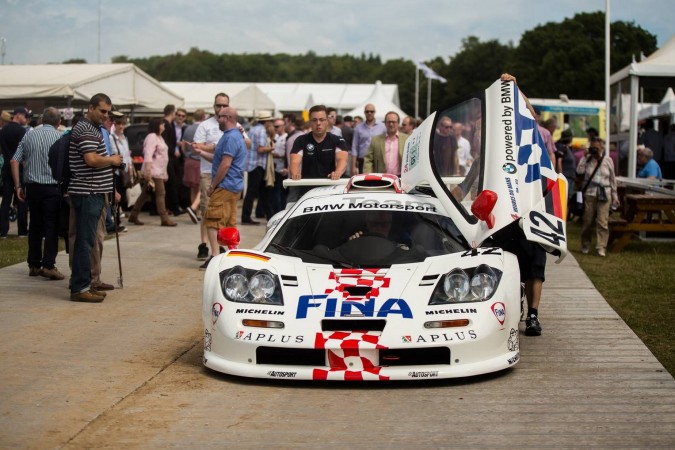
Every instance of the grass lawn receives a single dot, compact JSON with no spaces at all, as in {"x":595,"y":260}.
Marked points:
{"x":639,"y":283}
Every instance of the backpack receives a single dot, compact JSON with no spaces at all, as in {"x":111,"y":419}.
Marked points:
{"x":59,"y":161}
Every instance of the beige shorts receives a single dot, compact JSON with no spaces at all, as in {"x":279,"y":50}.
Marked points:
{"x":221,"y":211}
{"x":204,"y":183}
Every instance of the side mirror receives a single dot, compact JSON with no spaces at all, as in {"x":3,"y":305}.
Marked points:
{"x":483,"y":205}
{"x":229,"y":237}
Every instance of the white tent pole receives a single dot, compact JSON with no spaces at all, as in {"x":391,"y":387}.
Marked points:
{"x":417,"y":91}
{"x":633,"y":128}
{"x":607,"y":60}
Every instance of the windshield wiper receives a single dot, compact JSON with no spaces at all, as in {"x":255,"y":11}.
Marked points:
{"x":284,"y":250}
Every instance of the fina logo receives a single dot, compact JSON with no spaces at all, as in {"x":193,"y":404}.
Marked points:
{"x":509,"y":168}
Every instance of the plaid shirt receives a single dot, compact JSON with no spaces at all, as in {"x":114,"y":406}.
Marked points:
{"x":258,"y":139}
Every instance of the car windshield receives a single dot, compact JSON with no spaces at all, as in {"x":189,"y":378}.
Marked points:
{"x":367,"y":238}
{"x":456,"y":146}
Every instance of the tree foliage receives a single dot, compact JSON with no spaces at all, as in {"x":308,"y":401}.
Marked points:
{"x":551,"y":59}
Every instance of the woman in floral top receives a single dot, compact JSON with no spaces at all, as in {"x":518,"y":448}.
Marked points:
{"x":599,"y":195}
{"x":155,"y":161}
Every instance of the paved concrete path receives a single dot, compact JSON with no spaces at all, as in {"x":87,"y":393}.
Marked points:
{"x":127,"y":373}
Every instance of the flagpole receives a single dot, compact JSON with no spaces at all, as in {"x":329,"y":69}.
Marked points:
{"x":607,"y":70}
{"x":417,"y":91}
{"x":428,"y":97}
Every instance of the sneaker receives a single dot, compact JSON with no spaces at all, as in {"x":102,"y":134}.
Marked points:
{"x":34,"y":271}
{"x":202,"y":252}
{"x":193,"y":215}
{"x":89,"y":296}
{"x":206,"y":264}
{"x":584,"y":250}
{"x":602,"y":252}
{"x":52,"y":274}
{"x":532,"y":326}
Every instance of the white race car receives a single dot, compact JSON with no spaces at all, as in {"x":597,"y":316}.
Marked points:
{"x":387,"y":278}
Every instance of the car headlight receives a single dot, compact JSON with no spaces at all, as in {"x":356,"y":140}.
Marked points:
{"x":483,"y":282}
{"x":251,"y":286}
{"x":466,"y":285}
{"x":456,"y":285}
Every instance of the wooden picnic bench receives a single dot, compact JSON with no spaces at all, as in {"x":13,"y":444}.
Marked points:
{"x":642,"y":212}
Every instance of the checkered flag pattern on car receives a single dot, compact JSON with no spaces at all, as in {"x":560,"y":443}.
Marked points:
{"x":351,"y":356}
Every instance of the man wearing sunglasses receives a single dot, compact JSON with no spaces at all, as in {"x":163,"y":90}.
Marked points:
{"x":363,"y":133}
{"x":91,"y":180}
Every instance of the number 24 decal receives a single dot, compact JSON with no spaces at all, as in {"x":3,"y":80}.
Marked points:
{"x":552,"y":233}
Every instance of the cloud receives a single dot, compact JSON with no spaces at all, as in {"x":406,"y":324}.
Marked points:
{"x":42,"y":31}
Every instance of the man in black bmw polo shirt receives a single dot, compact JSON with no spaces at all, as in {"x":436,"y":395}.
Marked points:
{"x":318,"y":154}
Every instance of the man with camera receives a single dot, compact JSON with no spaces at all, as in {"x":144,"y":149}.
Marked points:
{"x":599,"y":182}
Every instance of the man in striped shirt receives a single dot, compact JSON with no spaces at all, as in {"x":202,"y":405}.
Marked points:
{"x":91,"y":180}
{"x":42,"y":194}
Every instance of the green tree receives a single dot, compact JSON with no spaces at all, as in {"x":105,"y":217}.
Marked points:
{"x":476,"y":66}
{"x":569,"y":57}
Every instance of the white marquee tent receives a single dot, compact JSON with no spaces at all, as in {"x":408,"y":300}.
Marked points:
{"x":383,"y":104}
{"x":656,"y":72}
{"x":294,"y":97}
{"x":63,"y":85}
{"x":248,"y":98}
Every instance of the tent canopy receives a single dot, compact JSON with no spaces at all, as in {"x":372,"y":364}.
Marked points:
{"x":655,"y":72}
{"x":246,"y":97}
{"x":293,"y":97}
{"x":381,"y":101}
{"x":74,"y":84}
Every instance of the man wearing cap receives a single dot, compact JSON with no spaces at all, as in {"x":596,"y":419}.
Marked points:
{"x":10,"y":136}
{"x":256,"y":165}
{"x":42,"y":193}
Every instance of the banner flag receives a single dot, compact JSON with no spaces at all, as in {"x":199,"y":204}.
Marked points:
{"x":429,"y":73}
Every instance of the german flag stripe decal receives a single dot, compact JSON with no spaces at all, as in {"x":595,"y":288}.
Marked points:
{"x":248,"y":255}
{"x":556,"y":199}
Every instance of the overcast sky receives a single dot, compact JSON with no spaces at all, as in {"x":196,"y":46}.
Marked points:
{"x":44,"y":31}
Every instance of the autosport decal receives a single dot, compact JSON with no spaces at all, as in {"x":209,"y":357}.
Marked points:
{"x":423,"y":374}
{"x":280,"y":374}
{"x":333,"y":307}
{"x":370,"y":203}
{"x":268,"y":337}
{"x":248,"y":255}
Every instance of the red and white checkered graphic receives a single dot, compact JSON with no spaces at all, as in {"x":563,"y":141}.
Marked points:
{"x":350,"y":356}
{"x":358,"y":277}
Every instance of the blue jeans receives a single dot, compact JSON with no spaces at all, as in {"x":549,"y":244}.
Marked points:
{"x":88,"y":210}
